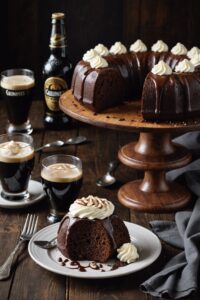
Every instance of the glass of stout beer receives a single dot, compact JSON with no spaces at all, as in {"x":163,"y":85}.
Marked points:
{"x":16,"y":165}
{"x":17,"y":89}
{"x":62,"y":179}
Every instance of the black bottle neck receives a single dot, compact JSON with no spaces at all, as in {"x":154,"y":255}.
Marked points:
{"x":59,"y":52}
{"x":57,"y":44}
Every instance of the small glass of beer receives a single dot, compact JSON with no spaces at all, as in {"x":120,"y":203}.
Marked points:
{"x":62,"y":179}
{"x":16,"y":165}
{"x":17,"y":89}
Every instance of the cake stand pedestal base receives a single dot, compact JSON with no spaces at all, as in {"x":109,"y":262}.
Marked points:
{"x":154,"y":153}
{"x":131,"y":195}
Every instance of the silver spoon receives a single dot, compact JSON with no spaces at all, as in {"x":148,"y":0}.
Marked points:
{"x":46,"y":244}
{"x":72,"y":141}
{"x":108,"y":178}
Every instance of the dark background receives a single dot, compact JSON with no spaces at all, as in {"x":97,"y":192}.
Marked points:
{"x":25,"y":27}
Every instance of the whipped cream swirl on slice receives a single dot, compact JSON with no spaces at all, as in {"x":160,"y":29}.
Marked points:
{"x":98,"y":62}
{"x":195,"y":60}
{"x":89,"y":55}
{"x":184,"y":66}
{"x":138,"y":46}
{"x":127,"y":253}
{"x":159,"y":46}
{"x":179,"y":49}
{"x":193,"y":51}
{"x":101,"y":50}
{"x":91,"y":207}
{"x":161,"y":69}
{"x":118,"y":48}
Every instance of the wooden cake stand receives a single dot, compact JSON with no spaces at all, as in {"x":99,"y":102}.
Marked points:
{"x":154,"y":153}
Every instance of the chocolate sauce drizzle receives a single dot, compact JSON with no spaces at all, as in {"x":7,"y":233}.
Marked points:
{"x":159,"y":88}
{"x":76,"y":265}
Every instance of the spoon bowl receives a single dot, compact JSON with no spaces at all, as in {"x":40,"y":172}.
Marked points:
{"x":108,"y":179}
{"x":58,"y":143}
{"x":46,"y":244}
{"x":71,"y":141}
{"x":76,"y":140}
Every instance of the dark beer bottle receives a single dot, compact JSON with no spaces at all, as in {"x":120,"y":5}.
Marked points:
{"x":57,"y":73}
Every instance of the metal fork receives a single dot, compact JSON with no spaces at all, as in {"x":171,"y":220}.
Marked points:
{"x":30,"y":227}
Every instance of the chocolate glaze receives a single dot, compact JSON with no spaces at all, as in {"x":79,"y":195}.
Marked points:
{"x":121,"y":64}
{"x":77,"y":69}
{"x":182,"y":91}
{"x":109,"y":227}
{"x":79,"y":76}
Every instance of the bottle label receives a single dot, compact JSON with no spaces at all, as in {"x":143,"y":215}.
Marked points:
{"x":57,"y":41}
{"x":54,"y":87}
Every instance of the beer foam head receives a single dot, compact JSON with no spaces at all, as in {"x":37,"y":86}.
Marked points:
{"x":61,"y":172}
{"x":13,"y":151}
{"x":17,"y":82}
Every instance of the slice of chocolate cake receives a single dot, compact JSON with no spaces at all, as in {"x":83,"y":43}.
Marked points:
{"x":90,"y":231}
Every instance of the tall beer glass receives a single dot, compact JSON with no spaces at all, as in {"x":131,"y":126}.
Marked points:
{"x":17,"y":88}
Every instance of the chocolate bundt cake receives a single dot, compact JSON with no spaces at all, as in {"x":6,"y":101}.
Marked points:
{"x":107,"y":78}
{"x":90,"y":231}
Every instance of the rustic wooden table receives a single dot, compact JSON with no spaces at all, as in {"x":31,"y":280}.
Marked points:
{"x":31,"y":282}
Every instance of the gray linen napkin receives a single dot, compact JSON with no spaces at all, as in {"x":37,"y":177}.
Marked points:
{"x":181,"y":275}
{"x":191,"y":141}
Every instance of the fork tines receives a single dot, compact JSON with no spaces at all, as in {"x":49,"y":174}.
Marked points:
{"x":30,"y":225}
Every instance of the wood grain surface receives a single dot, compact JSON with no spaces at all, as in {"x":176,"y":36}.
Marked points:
{"x":126,"y":117}
{"x":31,"y":282}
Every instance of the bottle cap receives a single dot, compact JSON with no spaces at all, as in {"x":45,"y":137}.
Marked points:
{"x":58,"y":16}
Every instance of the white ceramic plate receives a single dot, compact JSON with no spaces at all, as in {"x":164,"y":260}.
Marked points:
{"x":147,"y":243}
{"x":36,"y":192}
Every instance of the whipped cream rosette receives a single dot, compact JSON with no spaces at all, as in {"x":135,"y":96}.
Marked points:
{"x":127,"y":253}
{"x":118,"y":48}
{"x":184,"y":66}
{"x":98,"y":62}
{"x":193,"y":51}
{"x":89,"y":55}
{"x":138,"y":46}
{"x":179,"y":49}
{"x":159,"y":46}
{"x":101,"y":50}
{"x":91,"y":207}
{"x":196,"y":60}
{"x":161,"y":69}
